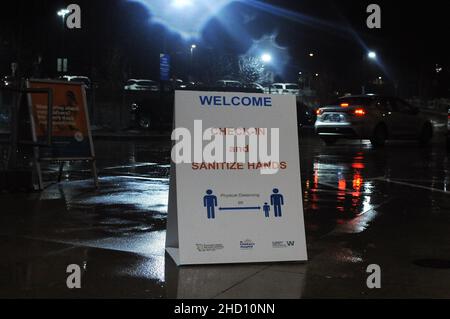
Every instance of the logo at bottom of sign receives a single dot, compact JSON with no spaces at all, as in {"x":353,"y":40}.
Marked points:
{"x":283,"y":244}
{"x":209,"y":247}
{"x":247,"y":244}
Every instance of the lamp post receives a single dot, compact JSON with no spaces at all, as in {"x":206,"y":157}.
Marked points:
{"x":371,"y":56}
{"x":193,"y":47}
{"x":63,"y":13}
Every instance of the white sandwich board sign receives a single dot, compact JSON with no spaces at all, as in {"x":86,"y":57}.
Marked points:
{"x":241,"y":202}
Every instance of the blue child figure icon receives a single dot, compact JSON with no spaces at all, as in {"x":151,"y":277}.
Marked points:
{"x":266,"y":209}
{"x":277,"y":201}
{"x":210,"y":202}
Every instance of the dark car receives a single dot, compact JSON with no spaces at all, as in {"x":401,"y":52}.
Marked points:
{"x":6,"y":104}
{"x":152,"y":113}
{"x":305,"y":115}
{"x":7,"y":81}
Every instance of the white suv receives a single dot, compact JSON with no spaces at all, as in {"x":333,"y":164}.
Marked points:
{"x":373,"y":117}
{"x":284,"y":88}
{"x":141,"y":85}
{"x":229,"y":83}
{"x":78,"y":79}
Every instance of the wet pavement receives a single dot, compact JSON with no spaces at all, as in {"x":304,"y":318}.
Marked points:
{"x":362,"y":206}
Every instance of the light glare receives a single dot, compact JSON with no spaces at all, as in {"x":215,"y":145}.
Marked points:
{"x":63,"y":12}
{"x":185,"y":17}
{"x":266,"y":58}
{"x":181,"y":3}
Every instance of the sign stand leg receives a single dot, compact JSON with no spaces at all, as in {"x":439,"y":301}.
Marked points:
{"x":172,"y":241}
{"x":37,"y":172}
{"x":61,"y":168}
{"x":94,"y":173}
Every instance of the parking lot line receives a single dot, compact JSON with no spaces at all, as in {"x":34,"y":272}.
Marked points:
{"x":412,"y":185}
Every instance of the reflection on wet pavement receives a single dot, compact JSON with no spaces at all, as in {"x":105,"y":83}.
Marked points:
{"x":362,"y":206}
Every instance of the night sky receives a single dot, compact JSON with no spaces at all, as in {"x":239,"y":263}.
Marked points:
{"x":412,"y":39}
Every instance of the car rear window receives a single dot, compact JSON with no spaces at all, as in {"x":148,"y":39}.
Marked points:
{"x":233,"y":84}
{"x":146,"y":83}
{"x":84,"y":80}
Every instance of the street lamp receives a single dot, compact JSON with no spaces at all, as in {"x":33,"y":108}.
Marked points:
{"x":372,"y":55}
{"x":266,"y":58}
{"x":311,"y":54}
{"x":181,"y":3}
{"x":62,"y":13}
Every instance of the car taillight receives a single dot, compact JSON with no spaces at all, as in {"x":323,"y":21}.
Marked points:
{"x":319,"y":111}
{"x":359,"y":112}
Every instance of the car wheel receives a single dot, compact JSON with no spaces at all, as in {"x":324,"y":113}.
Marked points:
{"x":329,"y":140}
{"x":379,"y":136}
{"x":144,"y":122}
{"x":426,"y":134}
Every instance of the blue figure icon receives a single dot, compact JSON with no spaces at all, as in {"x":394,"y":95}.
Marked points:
{"x":266,"y":209}
{"x":210,"y":202}
{"x":277,"y":201}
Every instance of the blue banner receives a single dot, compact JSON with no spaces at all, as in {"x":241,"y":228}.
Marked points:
{"x":164,"y":67}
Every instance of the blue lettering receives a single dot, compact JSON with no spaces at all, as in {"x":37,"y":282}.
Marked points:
{"x":235,"y":101}
{"x":268,"y":101}
{"x":258,"y":101}
{"x":246,"y":101}
{"x":206,"y":100}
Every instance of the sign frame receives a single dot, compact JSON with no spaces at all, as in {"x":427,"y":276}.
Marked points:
{"x":37,"y":159}
{"x":180,"y":245}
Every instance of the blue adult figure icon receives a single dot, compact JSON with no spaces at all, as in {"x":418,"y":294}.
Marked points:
{"x":266,"y":209}
{"x":210,"y":202}
{"x":276,"y":200}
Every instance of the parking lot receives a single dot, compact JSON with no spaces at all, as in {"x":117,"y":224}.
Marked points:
{"x":362,"y":206}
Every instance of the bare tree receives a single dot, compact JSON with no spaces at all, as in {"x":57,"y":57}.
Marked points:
{"x":220,"y":66}
{"x":252,"y":69}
